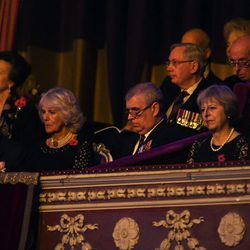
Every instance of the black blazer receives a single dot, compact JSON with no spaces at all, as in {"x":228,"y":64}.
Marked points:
{"x":190,"y":104}
{"x":159,"y":136}
{"x":176,"y":130}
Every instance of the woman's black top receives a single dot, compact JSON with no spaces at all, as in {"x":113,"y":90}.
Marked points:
{"x":78,"y":153}
{"x":20,"y":121}
{"x":235,"y":150}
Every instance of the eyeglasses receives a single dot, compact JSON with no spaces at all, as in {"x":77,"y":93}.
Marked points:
{"x":242,"y":63}
{"x":136,"y":112}
{"x":176,"y":62}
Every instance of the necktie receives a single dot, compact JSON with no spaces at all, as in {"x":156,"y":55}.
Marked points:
{"x":140,"y":146}
{"x":178,"y":102}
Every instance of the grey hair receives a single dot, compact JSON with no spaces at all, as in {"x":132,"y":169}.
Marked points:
{"x":192,"y":52}
{"x":67,"y":104}
{"x":151,"y":92}
{"x":237,"y":24}
{"x":225,"y":96}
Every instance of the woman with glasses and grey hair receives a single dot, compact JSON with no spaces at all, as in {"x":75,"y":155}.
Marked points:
{"x":219,"y":110}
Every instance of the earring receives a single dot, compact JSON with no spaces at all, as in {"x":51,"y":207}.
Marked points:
{"x":9,"y":88}
{"x":228,"y":117}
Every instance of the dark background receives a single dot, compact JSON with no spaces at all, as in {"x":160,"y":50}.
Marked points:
{"x":135,"y":32}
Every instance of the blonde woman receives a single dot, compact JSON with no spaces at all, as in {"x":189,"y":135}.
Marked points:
{"x":65,"y":147}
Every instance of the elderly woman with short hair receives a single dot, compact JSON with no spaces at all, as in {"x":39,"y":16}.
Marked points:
{"x":65,"y":147}
{"x":219,"y":110}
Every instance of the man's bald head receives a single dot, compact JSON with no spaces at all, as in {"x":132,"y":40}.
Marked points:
{"x":199,"y":37}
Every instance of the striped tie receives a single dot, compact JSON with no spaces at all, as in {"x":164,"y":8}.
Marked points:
{"x":178,"y":102}
{"x":141,"y":143}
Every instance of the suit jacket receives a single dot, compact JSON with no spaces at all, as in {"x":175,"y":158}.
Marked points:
{"x":212,"y":78}
{"x":176,"y":130}
{"x":160,"y":135}
{"x":170,"y":90}
{"x":190,"y":104}
{"x":231,"y":81}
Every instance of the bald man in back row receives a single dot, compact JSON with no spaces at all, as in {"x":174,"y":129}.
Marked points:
{"x":200,"y":37}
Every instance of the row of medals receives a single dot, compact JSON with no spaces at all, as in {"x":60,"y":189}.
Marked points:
{"x":189,"y":119}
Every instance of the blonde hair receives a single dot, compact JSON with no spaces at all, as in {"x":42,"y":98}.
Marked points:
{"x":237,"y":24}
{"x":67,"y":104}
{"x":225,"y":96}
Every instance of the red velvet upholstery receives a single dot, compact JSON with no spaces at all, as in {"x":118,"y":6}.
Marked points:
{"x":175,"y":152}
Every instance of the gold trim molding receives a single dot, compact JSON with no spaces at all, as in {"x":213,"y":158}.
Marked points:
{"x":72,"y":227}
{"x":149,"y":192}
{"x":179,"y":225}
{"x":231,"y":229}
{"x":126,"y":233}
{"x":19,"y":177}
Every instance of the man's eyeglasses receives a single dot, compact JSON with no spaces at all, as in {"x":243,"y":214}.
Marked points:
{"x":176,"y":62}
{"x":136,"y":112}
{"x":242,"y":63}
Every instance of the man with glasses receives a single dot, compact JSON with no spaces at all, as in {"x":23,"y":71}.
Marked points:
{"x":239,"y":59}
{"x":185,"y":67}
{"x":200,"y":38}
{"x":144,"y":106}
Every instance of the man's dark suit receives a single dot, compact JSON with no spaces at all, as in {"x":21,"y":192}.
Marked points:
{"x":159,"y":136}
{"x":231,"y":81}
{"x":170,"y":90}
{"x":167,"y":132}
{"x":177,"y":130}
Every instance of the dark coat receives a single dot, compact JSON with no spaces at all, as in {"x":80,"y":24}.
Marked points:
{"x":12,"y":153}
{"x":177,"y":130}
{"x":159,"y":136}
{"x":170,"y":90}
{"x":231,"y":81}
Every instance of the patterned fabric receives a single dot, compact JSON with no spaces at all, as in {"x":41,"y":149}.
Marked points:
{"x":177,"y":104}
{"x":237,"y":149}
{"x":71,"y":156}
{"x":9,"y":114}
{"x":140,"y":145}
{"x":20,"y":121}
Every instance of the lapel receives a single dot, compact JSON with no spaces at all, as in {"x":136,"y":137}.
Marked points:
{"x":158,"y":135}
{"x":191,"y":104}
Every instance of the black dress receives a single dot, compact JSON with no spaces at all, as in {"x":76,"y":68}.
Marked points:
{"x":235,"y":150}
{"x":78,"y":153}
{"x":12,"y":154}
{"x":20,"y":121}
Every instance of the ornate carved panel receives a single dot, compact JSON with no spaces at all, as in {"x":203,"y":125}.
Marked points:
{"x":163,"y":208}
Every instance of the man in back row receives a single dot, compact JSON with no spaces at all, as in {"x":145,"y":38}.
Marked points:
{"x":239,"y":58}
{"x":146,"y":106}
{"x":199,"y":37}
{"x":185,"y":66}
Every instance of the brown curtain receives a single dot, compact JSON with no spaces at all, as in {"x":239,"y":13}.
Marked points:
{"x":100,"y":48}
{"x":8,"y":19}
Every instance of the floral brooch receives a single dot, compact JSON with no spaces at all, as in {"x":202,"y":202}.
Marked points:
{"x":20,"y":103}
{"x":73,"y":142}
